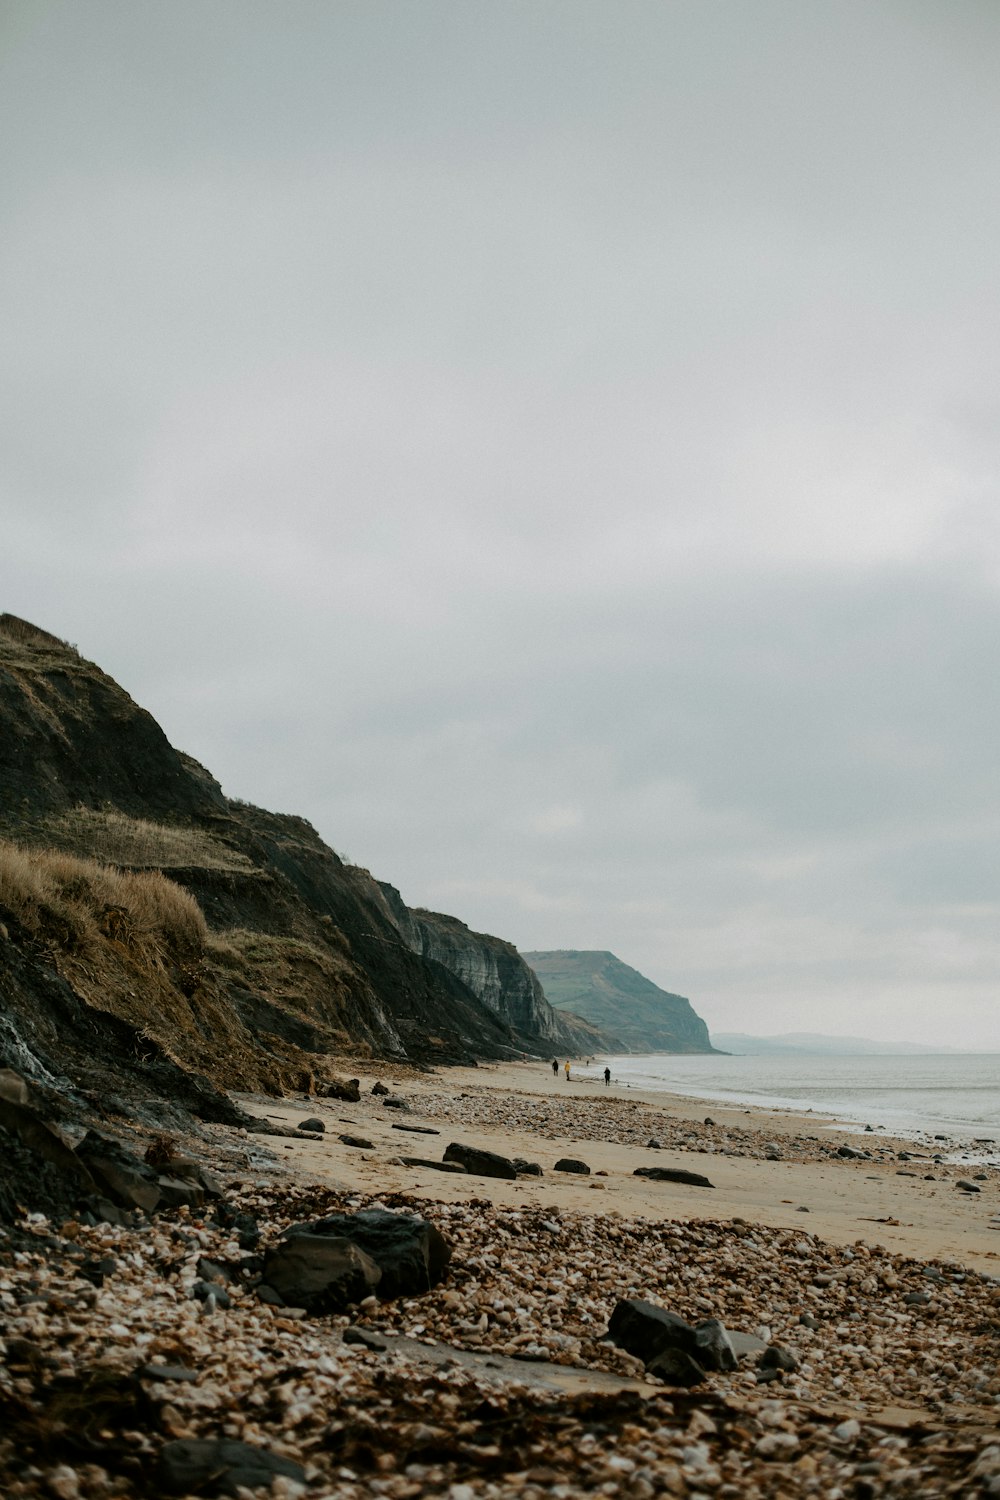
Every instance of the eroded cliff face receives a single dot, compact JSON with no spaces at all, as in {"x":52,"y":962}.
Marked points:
{"x":495,"y":973}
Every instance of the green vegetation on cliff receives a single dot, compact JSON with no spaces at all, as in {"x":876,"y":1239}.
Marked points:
{"x":621,"y":1001}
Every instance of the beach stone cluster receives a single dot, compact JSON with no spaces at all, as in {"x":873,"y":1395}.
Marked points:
{"x":823,"y":1371}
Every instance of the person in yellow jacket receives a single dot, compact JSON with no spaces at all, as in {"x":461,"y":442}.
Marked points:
{"x":566,"y":1066}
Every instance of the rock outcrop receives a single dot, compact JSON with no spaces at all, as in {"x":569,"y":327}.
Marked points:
{"x":495,"y":972}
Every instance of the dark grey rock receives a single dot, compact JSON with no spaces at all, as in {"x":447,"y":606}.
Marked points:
{"x":653,"y":1144}
{"x":347,"y":1089}
{"x":676,"y":1368}
{"x":320,"y":1272}
{"x":410,"y":1252}
{"x":849,"y":1153}
{"x":356,"y":1140}
{"x":967,"y":1186}
{"x":416,"y":1129}
{"x":527,"y":1168}
{"x":645,"y":1330}
{"x":220,"y":1466}
{"x":917,"y":1299}
{"x":673,"y":1174}
{"x":202,"y":1290}
{"x":179,"y":1192}
{"x":570,"y":1164}
{"x":213,"y":1270}
{"x":393,"y":1101}
{"x":126,"y":1180}
{"x":379,"y":1088}
{"x":715,"y":1348}
{"x":482,"y":1163}
{"x":313,"y":1124}
{"x":777,"y":1357}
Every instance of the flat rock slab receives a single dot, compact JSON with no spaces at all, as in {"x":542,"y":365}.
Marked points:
{"x":436,"y":1166}
{"x":502,"y":1368}
{"x":356,"y":1140}
{"x":417,"y":1129}
{"x":673,"y":1174}
{"x":188,"y":1465}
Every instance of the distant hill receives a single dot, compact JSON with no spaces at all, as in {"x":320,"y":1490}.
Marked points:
{"x":814,"y":1043}
{"x":622,"y":1002}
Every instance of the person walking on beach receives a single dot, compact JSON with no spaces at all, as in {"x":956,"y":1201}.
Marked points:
{"x":607,"y":1077}
{"x":555,"y":1068}
{"x":566,"y":1066}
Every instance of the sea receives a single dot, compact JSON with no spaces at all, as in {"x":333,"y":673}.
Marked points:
{"x":951,"y":1101}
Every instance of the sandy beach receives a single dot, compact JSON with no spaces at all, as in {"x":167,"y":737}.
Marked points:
{"x":862,"y":1308}
{"x":521,"y":1110}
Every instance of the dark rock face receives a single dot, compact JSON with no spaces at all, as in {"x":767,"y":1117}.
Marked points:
{"x":220,"y":1466}
{"x":494,"y":971}
{"x":320,"y":1272}
{"x":410,"y":1253}
{"x":482,"y":1163}
{"x":314,"y":1126}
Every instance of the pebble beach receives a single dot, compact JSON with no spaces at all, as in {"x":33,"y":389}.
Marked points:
{"x":857,"y":1276}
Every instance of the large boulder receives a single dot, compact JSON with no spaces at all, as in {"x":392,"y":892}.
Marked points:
{"x":322,"y":1273}
{"x":411,"y":1254}
{"x":645,"y":1330}
{"x":482,"y":1163}
{"x":649,"y":1332}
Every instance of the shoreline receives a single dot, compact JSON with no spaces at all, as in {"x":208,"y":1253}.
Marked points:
{"x":963,"y":1139}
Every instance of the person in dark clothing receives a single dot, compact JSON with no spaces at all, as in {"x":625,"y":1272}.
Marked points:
{"x":607,"y":1077}
{"x":555,"y":1068}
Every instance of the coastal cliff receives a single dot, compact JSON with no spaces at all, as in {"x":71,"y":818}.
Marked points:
{"x":188,"y":934}
{"x":495,"y":972}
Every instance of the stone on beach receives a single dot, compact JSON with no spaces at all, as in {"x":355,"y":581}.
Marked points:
{"x":673,"y":1174}
{"x":482,"y":1163}
{"x":320,"y":1272}
{"x":410,"y":1253}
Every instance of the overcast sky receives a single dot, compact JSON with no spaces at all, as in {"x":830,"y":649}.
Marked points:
{"x":552,"y":447}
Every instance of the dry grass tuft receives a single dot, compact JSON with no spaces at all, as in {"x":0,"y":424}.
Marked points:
{"x":114,"y":838}
{"x":83,"y":903}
